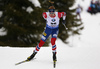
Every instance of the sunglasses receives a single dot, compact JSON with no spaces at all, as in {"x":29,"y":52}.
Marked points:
{"x":51,"y":10}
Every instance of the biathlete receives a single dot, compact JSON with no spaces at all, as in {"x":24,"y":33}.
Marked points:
{"x":52,"y":28}
{"x":78,"y":11}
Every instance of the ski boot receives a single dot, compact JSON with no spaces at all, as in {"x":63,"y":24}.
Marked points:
{"x":32,"y":56}
{"x":54,"y":59}
{"x":54,"y":56}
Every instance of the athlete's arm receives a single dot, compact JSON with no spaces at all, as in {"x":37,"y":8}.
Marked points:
{"x":44,"y":15}
{"x":62,"y":14}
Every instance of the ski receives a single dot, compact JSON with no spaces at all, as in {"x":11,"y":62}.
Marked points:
{"x":54,"y":63}
{"x":23,"y":61}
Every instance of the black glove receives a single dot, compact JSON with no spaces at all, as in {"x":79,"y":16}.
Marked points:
{"x":63,"y":22}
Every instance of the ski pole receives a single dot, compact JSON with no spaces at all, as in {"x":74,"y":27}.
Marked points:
{"x":65,"y":26}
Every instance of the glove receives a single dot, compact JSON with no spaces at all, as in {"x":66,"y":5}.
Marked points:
{"x":63,"y":22}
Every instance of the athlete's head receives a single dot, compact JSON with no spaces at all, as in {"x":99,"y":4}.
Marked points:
{"x":51,"y":9}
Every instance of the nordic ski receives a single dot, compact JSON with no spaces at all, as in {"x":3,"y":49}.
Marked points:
{"x":54,"y":64}
{"x":23,"y":61}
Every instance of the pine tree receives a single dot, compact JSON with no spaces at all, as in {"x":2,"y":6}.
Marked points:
{"x":1,"y":10}
{"x":23,"y":27}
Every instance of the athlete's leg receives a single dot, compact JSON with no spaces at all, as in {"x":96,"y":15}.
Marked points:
{"x":45,"y":35}
{"x":53,"y":48}
{"x":53,"y":39}
{"x":39,"y":46}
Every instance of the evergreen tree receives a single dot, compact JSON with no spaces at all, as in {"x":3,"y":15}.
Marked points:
{"x":1,"y":10}
{"x":25,"y":28}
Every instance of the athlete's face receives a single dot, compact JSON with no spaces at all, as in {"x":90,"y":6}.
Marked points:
{"x":51,"y":12}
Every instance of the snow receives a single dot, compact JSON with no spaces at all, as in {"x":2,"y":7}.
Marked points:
{"x":68,"y":58}
{"x":29,"y":9}
{"x":1,"y":13}
{"x":36,"y":3}
{"x":2,"y":32}
{"x":83,"y":51}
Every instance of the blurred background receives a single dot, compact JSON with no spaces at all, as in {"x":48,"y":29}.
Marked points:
{"x":22,"y":24}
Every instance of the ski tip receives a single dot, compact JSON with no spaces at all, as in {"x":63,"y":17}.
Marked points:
{"x":21,"y":62}
{"x":16,"y":63}
{"x":54,"y":66}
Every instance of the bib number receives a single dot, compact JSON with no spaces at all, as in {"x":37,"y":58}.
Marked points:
{"x":53,"y":24}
